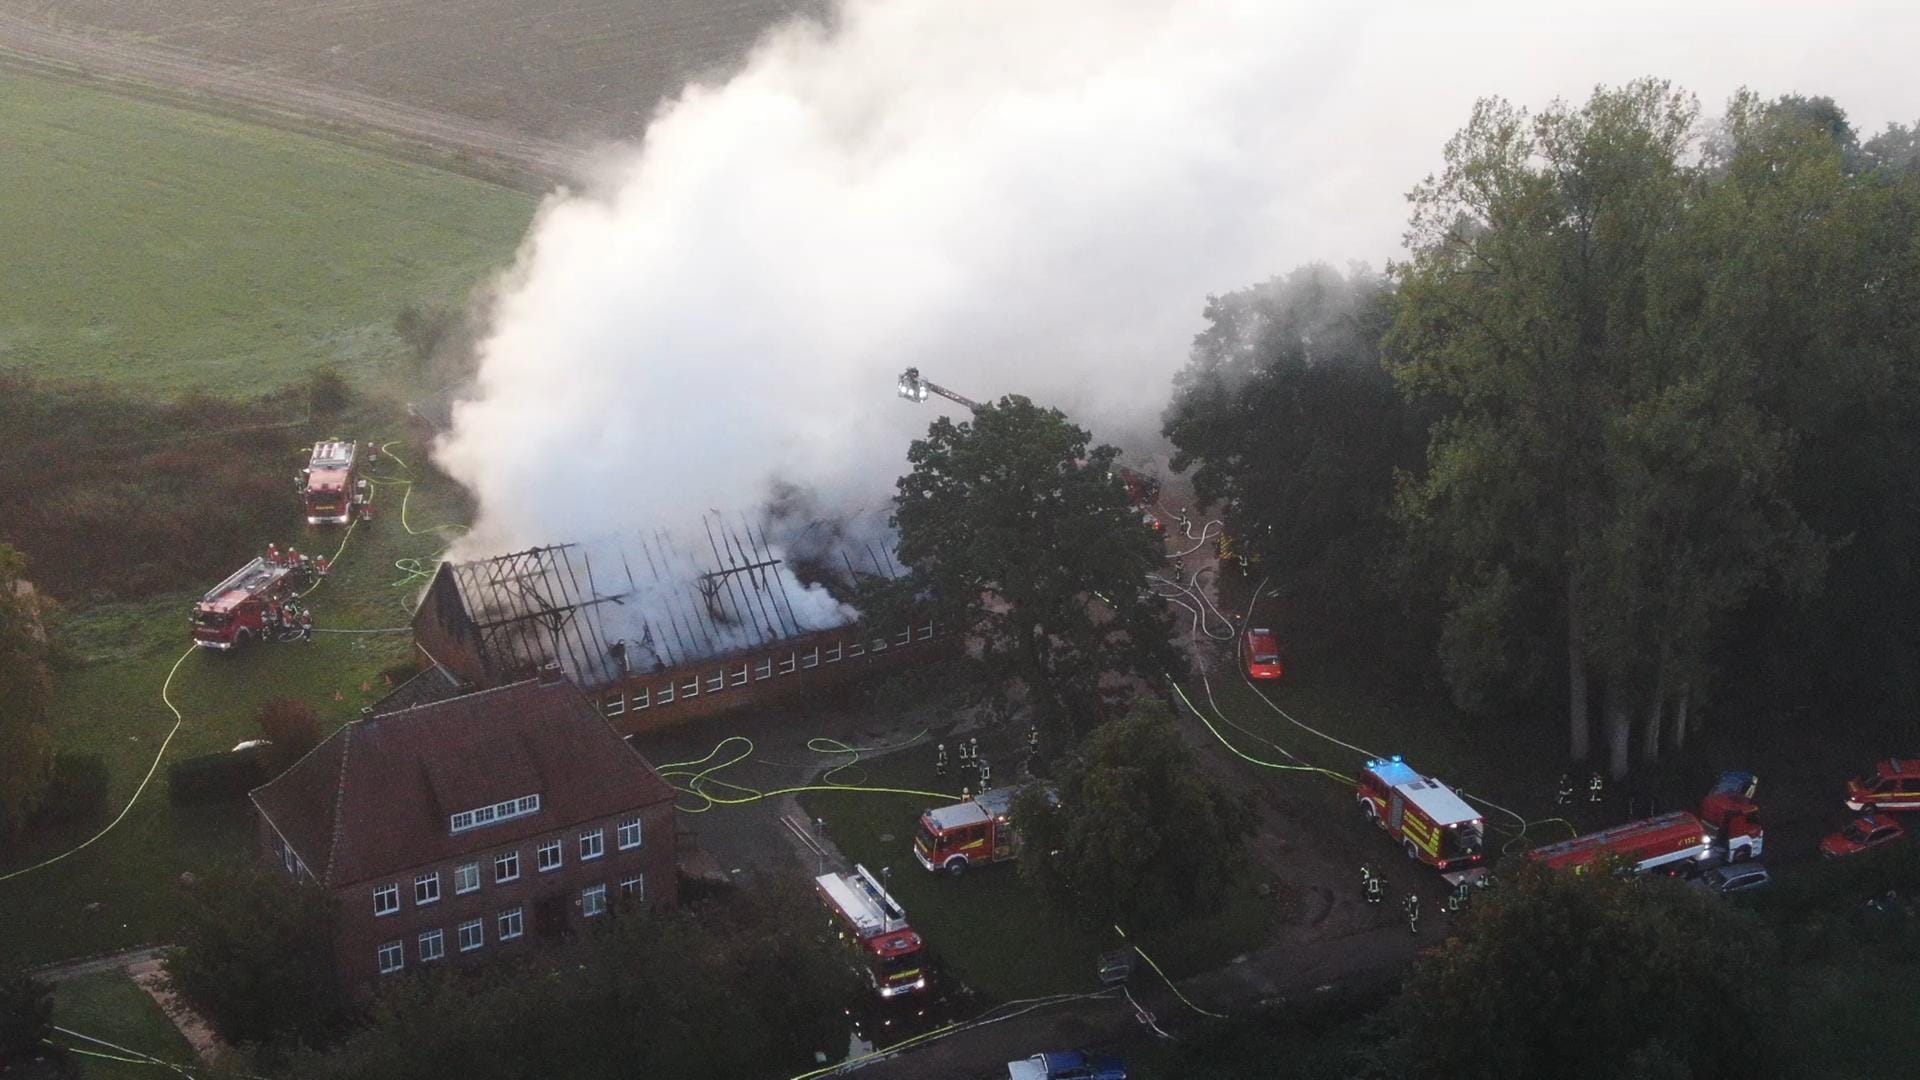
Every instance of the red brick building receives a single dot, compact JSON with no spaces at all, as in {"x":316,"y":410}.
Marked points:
{"x":734,"y":644}
{"x":463,"y":828}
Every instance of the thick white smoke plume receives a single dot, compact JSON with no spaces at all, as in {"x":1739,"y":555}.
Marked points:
{"x":1015,"y":197}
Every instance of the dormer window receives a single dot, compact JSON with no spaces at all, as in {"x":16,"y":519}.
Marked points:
{"x":498,"y":812}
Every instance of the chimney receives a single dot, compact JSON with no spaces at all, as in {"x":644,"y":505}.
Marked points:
{"x":551,"y":673}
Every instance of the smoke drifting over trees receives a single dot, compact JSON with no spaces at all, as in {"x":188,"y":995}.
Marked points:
{"x":1015,"y":198}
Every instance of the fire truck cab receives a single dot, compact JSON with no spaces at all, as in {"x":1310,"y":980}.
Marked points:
{"x":980,"y":830}
{"x":892,"y":957}
{"x":1433,"y":824}
{"x":234,"y":612}
{"x":330,"y":484}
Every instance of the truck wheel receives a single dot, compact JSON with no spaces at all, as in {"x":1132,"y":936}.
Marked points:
{"x":1739,"y":854}
{"x":1366,"y":808}
{"x":1412,"y":852}
{"x":956,"y":866}
{"x":241,"y":639}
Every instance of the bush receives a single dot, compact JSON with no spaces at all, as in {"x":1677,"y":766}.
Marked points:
{"x":212,"y":778}
{"x":78,"y":789}
{"x":291,"y":727}
{"x":26,"y":1015}
{"x":327,"y":391}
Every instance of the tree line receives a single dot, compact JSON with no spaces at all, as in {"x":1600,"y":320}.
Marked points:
{"x":1636,"y":424}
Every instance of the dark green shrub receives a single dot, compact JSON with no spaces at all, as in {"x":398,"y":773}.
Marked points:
{"x":212,"y":778}
{"x":78,"y":789}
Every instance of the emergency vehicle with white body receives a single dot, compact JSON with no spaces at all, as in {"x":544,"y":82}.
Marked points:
{"x":977,"y":831}
{"x":892,"y":957}
{"x":330,"y":485}
{"x":1433,"y":824}
{"x":1727,"y":829}
{"x":234,"y":612}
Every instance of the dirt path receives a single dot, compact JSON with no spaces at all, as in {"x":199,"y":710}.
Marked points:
{"x":93,"y":965}
{"x":148,"y":64}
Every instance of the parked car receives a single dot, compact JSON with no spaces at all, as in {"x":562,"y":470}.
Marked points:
{"x":1260,"y":651}
{"x":1067,"y":1065}
{"x":1734,"y":878}
{"x":1871,"y":831}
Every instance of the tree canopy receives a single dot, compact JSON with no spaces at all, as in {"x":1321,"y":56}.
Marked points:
{"x":737,"y":988}
{"x":1593,"y":975}
{"x":26,"y":691}
{"x":1020,"y":537}
{"x":1138,"y":834}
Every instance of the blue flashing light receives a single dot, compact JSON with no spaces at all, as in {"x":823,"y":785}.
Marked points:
{"x":1396,"y":759}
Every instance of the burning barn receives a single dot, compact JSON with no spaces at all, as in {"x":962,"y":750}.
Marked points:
{"x":656,"y":636}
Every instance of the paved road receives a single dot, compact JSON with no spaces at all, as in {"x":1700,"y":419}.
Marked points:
{"x":93,"y":965}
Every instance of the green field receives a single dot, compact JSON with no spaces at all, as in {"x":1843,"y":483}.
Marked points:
{"x":109,"y":1006}
{"x":165,"y":248}
{"x":111,"y":705}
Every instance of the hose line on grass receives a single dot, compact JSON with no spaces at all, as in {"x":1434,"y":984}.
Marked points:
{"x":698,"y":779}
{"x":165,"y":687}
{"x":1171,"y":985}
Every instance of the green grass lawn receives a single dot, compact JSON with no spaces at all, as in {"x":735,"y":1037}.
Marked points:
{"x":989,"y":927}
{"x":110,"y":1006}
{"x":111,"y":705}
{"x":166,"y":248}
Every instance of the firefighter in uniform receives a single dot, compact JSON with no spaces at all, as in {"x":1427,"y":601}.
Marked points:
{"x":1411,"y":905}
{"x":973,"y":750}
{"x":306,"y":626}
{"x":986,"y":771}
{"x":1376,"y":888}
{"x":273,"y":555}
{"x":1457,"y":899}
{"x":1033,"y":739}
{"x":1565,"y":795}
{"x":940,"y":759}
{"x":1594,"y":788}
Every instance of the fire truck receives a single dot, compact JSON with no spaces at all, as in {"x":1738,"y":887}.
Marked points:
{"x":1434,"y":825}
{"x":1142,"y":489}
{"x":979,"y":830}
{"x":892,"y":957}
{"x":330,"y":485}
{"x":1727,"y":829}
{"x":235,"y":611}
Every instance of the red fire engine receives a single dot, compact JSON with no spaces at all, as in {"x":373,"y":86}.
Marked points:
{"x":1433,"y":824}
{"x":235,"y":611}
{"x":330,"y":484}
{"x":892,"y":956}
{"x":979,"y":830}
{"x":1142,"y":489}
{"x":1727,"y":829}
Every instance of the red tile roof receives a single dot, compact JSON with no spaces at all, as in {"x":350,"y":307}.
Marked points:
{"x":375,"y":797}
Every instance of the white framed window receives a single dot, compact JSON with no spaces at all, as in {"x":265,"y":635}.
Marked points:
{"x":717,"y":681}
{"x":835,"y":654}
{"x":506,"y":810}
{"x":664,"y":696}
{"x":466,"y":878}
{"x":813,"y":658}
{"x":593,"y":900}
{"x":857,"y":649}
{"x":473,"y":934}
{"x":551,"y":857}
{"x":739,"y":677}
{"x":763,"y":669}
{"x":508,"y":925}
{"x":926,"y":632}
{"x":386,"y":898}
{"x":629,"y":835}
{"x":426,"y":889}
{"x":614,"y":705}
{"x":641,"y":699}
{"x":393,"y":957}
{"x":690,"y":688}
{"x":593,"y":844}
{"x":433,"y":945}
{"x":506,"y":867}
{"x":905,"y":638}
{"x":787,"y":665}
{"x":634,"y":888}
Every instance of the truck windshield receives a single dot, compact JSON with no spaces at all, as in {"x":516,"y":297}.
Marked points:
{"x":927,"y":839}
{"x":894,"y":965}
{"x":211,"y":619}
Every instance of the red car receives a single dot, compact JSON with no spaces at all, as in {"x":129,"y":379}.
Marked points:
{"x":1261,"y":652}
{"x":1872,"y":831}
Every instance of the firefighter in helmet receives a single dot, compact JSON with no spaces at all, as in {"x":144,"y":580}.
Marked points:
{"x":1411,"y":905}
{"x":940,"y":759}
{"x":273,"y":555}
{"x":306,"y":626}
{"x":1565,"y":794}
{"x":1376,"y":888}
{"x":1594,"y":787}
